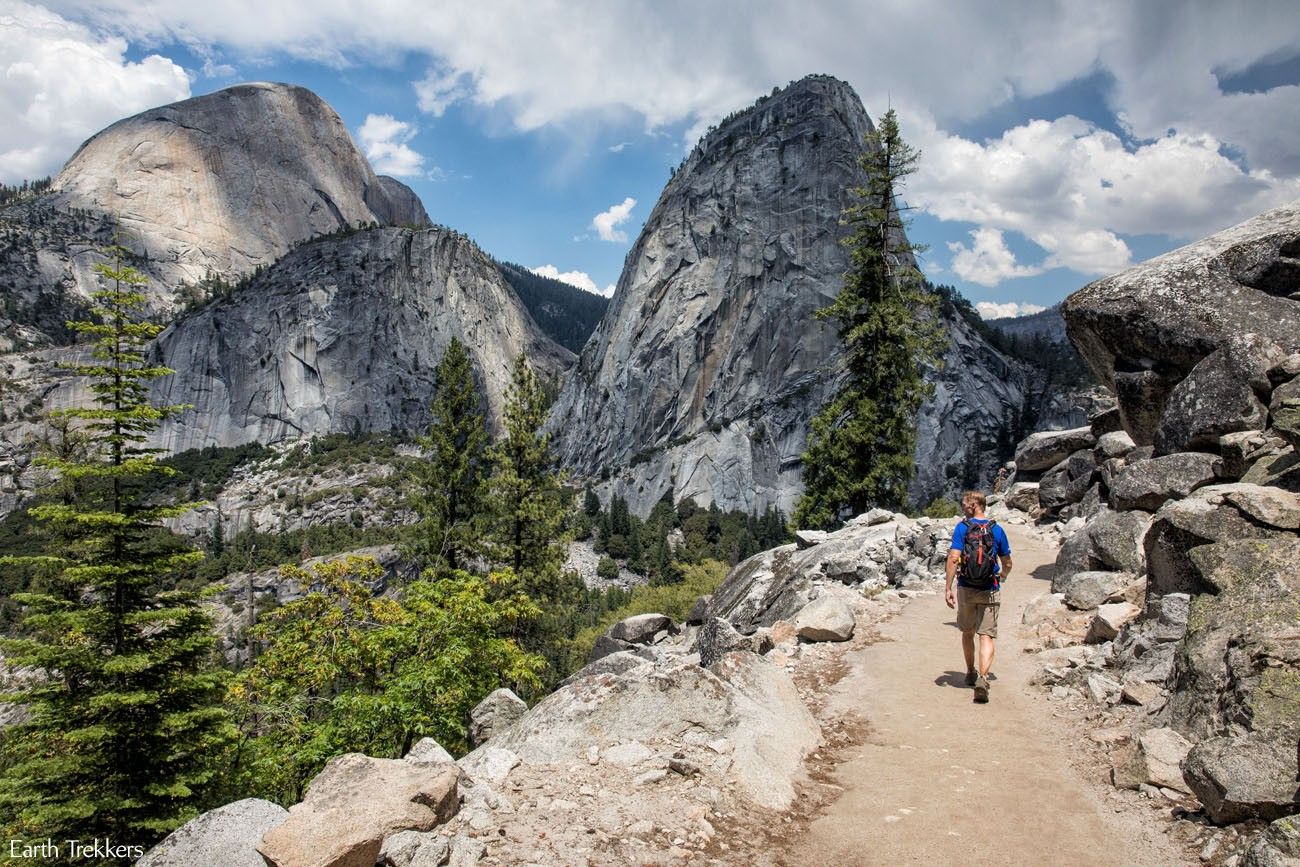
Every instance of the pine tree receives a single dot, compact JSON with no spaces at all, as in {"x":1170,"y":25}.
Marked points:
{"x":525,"y":501}
{"x":127,"y":727}
{"x":860,"y":448}
{"x":450,"y":489}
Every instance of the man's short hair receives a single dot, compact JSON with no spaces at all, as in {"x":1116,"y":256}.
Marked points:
{"x":976,"y":497}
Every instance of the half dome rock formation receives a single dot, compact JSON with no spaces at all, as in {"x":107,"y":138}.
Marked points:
{"x":206,"y":189}
{"x":709,"y":364}
{"x":342,"y":335}
{"x":1186,"y":339}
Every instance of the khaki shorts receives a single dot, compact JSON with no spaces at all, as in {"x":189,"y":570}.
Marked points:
{"x":977,"y":611}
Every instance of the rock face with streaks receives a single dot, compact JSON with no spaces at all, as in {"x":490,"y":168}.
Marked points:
{"x":343,"y":335}
{"x":206,"y":189}
{"x":708,"y":366}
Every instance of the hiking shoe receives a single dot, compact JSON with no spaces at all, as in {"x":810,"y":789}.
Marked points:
{"x":971,"y":677}
{"x":982,"y":690}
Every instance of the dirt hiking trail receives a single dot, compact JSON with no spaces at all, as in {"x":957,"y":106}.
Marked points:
{"x":942,"y":780}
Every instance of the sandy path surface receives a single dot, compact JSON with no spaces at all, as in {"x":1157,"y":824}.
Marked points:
{"x":942,"y":780}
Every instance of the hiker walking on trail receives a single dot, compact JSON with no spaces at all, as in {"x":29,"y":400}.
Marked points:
{"x":980,"y":560}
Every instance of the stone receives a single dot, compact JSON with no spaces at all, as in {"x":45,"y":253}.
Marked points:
{"x":717,"y":638}
{"x":1162,"y":751}
{"x":826,"y":618}
{"x":647,"y":778}
{"x":743,"y":698}
{"x":605,"y":646}
{"x":499,"y":710}
{"x":614,"y":664}
{"x":1275,"y":468}
{"x":1239,"y":450}
{"x":1103,"y":690}
{"x":227,"y":835}
{"x":1239,"y":663}
{"x":1252,"y":776}
{"x":1204,"y":517}
{"x":1117,"y":539}
{"x":1285,"y":421}
{"x":427,"y":750}
{"x":490,"y":763}
{"x":353,"y":804}
{"x":1115,"y":444}
{"x":1277,"y":846}
{"x":465,"y":851}
{"x":640,"y":628}
{"x":808,"y":538}
{"x":628,"y":755}
{"x":1046,"y":449}
{"x":1109,"y":619}
{"x":1272,"y":506}
{"x":414,"y":849}
{"x":763,"y":589}
{"x":1150,"y":484}
{"x":1087,"y":590}
{"x":699,"y":611}
{"x":1068,"y":481}
{"x":658,"y":399}
{"x":1022,"y":496}
{"x":1106,"y":421}
{"x":1216,"y":396}
{"x":1141,"y":693}
{"x":1043,"y":608}
{"x":1144,"y":330}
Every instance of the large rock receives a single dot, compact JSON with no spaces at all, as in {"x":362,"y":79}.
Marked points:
{"x":1278,"y":846}
{"x":227,"y":835}
{"x":353,"y":804}
{"x":641,"y":628}
{"x":1116,"y":539}
{"x":1238,"y":667}
{"x":1068,"y":481}
{"x":1087,"y":590}
{"x":709,"y":364}
{"x":1045,"y":449}
{"x":1022,"y":496}
{"x":1252,"y":776}
{"x":288,"y":355}
{"x":826,"y":618}
{"x":717,"y":638}
{"x":500,"y":709}
{"x":1110,"y":619}
{"x":1216,"y":397}
{"x":1144,"y":330}
{"x":1206,"y":516}
{"x":1149,"y":484}
{"x":743,"y":698}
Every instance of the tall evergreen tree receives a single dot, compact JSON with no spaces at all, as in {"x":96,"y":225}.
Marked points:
{"x":860,"y":448}
{"x":526,"y":503}
{"x":450,"y":490}
{"x":127,"y":726}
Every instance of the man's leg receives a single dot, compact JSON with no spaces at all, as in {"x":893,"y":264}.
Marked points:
{"x":968,"y":648}
{"x":986,"y":655}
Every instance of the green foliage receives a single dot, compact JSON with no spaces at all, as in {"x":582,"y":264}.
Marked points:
{"x":942,"y":508}
{"x":861,"y":445}
{"x":11,"y":193}
{"x":346,"y":671}
{"x":127,"y":728}
{"x":673,"y":600}
{"x":607,"y":569}
{"x":565,"y":313}
{"x":450,"y":481}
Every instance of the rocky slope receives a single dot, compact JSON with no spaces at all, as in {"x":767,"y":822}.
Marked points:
{"x":709,"y":364}
{"x":1182,"y":530}
{"x":206,"y":189}
{"x":343,"y":335}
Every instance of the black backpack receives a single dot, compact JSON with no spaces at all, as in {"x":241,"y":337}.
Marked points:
{"x":978,"y":555}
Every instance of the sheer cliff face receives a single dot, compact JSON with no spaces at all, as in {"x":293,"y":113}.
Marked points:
{"x":343,"y":335}
{"x":709,"y":364}
{"x":211,"y":187}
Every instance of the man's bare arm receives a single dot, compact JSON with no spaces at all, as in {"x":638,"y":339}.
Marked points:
{"x":1006,"y":566}
{"x":949,"y":595}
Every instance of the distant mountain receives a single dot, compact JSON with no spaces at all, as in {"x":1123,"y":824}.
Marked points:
{"x":1048,"y":323}
{"x":202,"y":192}
{"x":708,"y":366}
{"x":565,"y":313}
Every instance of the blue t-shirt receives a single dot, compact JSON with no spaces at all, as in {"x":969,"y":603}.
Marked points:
{"x":1001,"y":547}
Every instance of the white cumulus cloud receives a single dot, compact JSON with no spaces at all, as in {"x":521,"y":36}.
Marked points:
{"x":580,"y":279}
{"x":606,"y":223}
{"x":384,"y":140}
{"x":987,"y":261}
{"x":60,"y":82}
{"x":1006,"y":309}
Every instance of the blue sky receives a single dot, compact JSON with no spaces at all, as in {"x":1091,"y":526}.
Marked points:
{"x":1060,"y":141}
